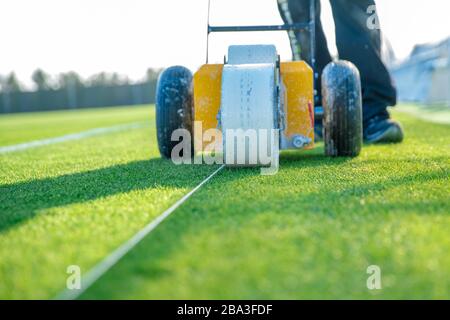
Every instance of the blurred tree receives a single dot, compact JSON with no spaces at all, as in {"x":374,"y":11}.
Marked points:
{"x":71,"y":82}
{"x":11,"y":83}
{"x":70,"y":79}
{"x":105,"y":79}
{"x":152,"y":74}
{"x":41,"y":79}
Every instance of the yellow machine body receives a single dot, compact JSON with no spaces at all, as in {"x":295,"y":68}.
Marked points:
{"x":297,"y":93}
{"x":297,"y":79}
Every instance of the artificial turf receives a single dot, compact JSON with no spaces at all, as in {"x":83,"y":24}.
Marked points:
{"x":310,"y":231}
{"x":73,"y":203}
{"x":23,"y":127}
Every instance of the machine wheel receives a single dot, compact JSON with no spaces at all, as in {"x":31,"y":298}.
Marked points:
{"x":342,"y":104}
{"x":173,"y":106}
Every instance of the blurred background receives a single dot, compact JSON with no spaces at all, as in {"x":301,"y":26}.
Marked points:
{"x":69,"y":54}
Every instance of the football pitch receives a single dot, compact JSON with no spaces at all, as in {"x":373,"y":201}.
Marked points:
{"x":95,"y":179}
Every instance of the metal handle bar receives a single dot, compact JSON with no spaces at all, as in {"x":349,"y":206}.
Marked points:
{"x":306,"y":26}
{"x":283,"y":27}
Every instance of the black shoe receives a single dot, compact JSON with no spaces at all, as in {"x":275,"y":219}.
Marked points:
{"x":381,"y":129}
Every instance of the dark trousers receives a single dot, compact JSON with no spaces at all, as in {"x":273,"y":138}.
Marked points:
{"x":355,"y":41}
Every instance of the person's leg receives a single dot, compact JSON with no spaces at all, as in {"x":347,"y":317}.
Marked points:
{"x":297,"y":11}
{"x":361,"y":45}
{"x":360,"y":42}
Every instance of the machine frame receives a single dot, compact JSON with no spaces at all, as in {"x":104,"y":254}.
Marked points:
{"x":183,"y":99}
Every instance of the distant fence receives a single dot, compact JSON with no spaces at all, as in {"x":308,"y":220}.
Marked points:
{"x":80,"y":97}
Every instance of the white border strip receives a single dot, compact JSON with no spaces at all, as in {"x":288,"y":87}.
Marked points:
{"x":435,"y":116}
{"x":69,"y":137}
{"x":103,"y":266}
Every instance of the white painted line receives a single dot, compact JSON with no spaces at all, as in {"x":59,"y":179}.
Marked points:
{"x":69,"y":137}
{"x":441,"y":116}
{"x":103,"y":266}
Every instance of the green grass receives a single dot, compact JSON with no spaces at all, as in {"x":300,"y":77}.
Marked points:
{"x":74,"y":202}
{"x":23,"y":127}
{"x":310,"y":231}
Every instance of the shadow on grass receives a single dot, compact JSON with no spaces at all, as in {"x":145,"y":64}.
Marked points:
{"x":147,"y":262}
{"x":22,"y":201}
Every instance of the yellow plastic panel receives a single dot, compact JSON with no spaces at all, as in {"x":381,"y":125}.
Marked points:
{"x":297,"y":78}
{"x":207,"y":92}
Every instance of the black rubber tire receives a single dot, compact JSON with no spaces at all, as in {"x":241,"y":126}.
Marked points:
{"x":342,"y":107}
{"x":174,"y":106}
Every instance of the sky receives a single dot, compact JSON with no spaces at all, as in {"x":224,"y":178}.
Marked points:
{"x":128,"y":36}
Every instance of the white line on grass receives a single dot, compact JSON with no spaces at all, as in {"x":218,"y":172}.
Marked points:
{"x":430,"y":114}
{"x":69,"y":137}
{"x":103,"y":266}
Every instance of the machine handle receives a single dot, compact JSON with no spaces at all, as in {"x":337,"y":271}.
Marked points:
{"x":309,"y":26}
{"x":283,"y":27}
